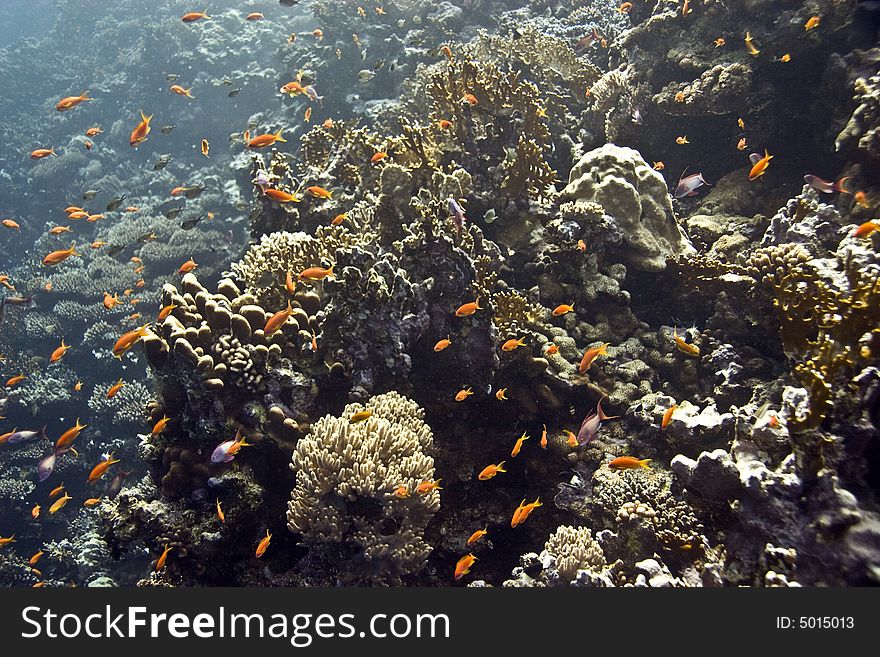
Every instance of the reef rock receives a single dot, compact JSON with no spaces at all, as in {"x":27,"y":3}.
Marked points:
{"x":636,"y":199}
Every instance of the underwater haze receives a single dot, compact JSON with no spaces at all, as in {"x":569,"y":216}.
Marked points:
{"x":538,"y":293}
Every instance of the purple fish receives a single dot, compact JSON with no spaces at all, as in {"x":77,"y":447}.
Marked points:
{"x":688,"y":186}
{"x":456,"y":212}
{"x":313,"y":95}
{"x":46,"y":465}
{"x":227,"y":450}
{"x":26,"y":436}
{"x":754,"y":158}
{"x":591,"y":424}
{"x":116,"y":484}
{"x":824,"y":186}
{"x":262,"y":180}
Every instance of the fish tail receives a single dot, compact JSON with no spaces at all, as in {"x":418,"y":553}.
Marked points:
{"x":278,"y":136}
{"x":85,"y":96}
{"x":838,"y":186}
{"x":330,"y":272}
{"x":644,"y":464}
{"x":499,"y":468}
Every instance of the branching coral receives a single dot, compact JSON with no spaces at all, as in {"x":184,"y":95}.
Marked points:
{"x":346,"y":477}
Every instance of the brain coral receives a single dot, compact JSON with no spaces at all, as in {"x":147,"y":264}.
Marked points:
{"x":346,"y":477}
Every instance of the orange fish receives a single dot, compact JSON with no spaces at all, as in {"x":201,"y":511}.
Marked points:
{"x":59,"y":352}
{"x":446,"y":50}
{"x":94,"y":131}
{"x":338,"y":219}
{"x":160,"y":562}
{"x":278,"y":320}
{"x":582,"y":246}
{"x":35,"y":558}
{"x":59,"y":504}
{"x":513,"y":343}
{"x":477,"y":535}
{"x":165,"y":311}
{"x":428,"y":486}
{"x":92,"y":501}
{"x":861,"y":200}
{"x":468,"y":308}
{"x":741,"y":144}
{"x":206,"y":147}
{"x":57,"y":230}
{"x":72,"y":101}
{"x":89,"y":145}
{"x":101,"y":468}
{"x":490,"y":471}
{"x":281,"y":196}
{"x":292,"y":88}
{"x":307,"y":115}
{"x":328,"y":123}
{"x":7,"y":541}
{"x":110,"y":302}
{"x":443,"y":124}
{"x":812,"y":22}
{"x":753,"y":51}
{"x":551,"y":349}
{"x":77,"y":386}
{"x":15,"y":380}
{"x":319,"y":192}
{"x":40,"y":153}
{"x":684,"y":346}
{"x":562,"y":309}
{"x":629,"y":463}
{"x":261,"y":141}
{"x":470,"y":99}
{"x":720,"y":41}
{"x":263,"y":545}
{"x":463,"y":394}
{"x":180,"y":91}
{"x":57,"y":257}
{"x":659,"y":166}
{"x":866,"y":229}
{"x":760,"y":166}
{"x":682,"y":140}
{"x":442,"y":344}
{"x":667,"y":416}
{"x":572,"y":440}
{"x":527,"y":509}
{"x":590,"y":355}
{"x":9,"y":223}
{"x":255,"y":16}
{"x":318,"y":33}
{"x":160,"y":426}
{"x":187,"y":267}
{"x":56,"y":491}
{"x":74,"y":216}
{"x":625,"y":7}
{"x":114,"y":389}
{"x":378,"y":157}
{"x":500,"y":394}
{"x":35,"y":512}
{"x":317,"y":273}
{"x":514,"y":521}
{"x":463,"y":566}
{"x":220,"y":515}
{"x":195,"y":16}
{"x":141,"y":130}
{"x":401,"y":491}
{"x":128,"y":340}
{"x":518,"y":445}
{"x":92,"y":218}
{"x":544,"y":437}
{"x":97,"y":244}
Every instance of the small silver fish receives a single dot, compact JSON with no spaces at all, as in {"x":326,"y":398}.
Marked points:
{"x":115,"y":250}
{"x":189,"y":224}
{"x":26,"y":436}
{"x":234,"y":92}
{"x":89,"y":194}
{"x":171,"y":77}
{"x":194,"y":192}
{"x":365,"y":75}
{"x":172,"y":213}
{"x":162,"y":162}
{"x":166,"y":129}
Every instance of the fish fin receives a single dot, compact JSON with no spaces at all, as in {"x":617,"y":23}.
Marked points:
{"x":278,"y":136}
{"x":644,"y":464}
{"x":839,"y":185}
